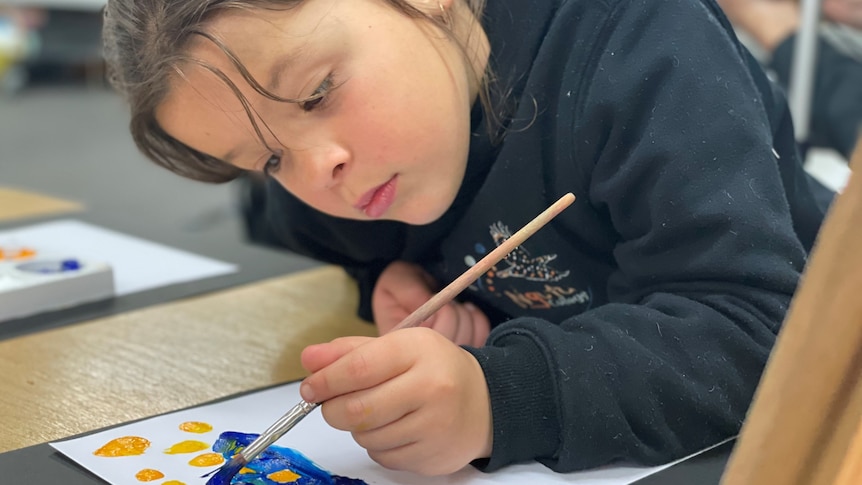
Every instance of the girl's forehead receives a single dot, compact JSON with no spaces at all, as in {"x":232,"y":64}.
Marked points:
{"x":239,"y":28}
{"x":306,"y":19}
{"x":261,"y":35}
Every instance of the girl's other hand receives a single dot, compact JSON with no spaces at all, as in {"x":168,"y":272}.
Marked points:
{"x":413,"y":399}
{"x":404,"y":287}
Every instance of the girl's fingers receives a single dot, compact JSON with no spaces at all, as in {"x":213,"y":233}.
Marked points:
{"x":445,"y":321}
{"x":481,"y":326}
{"x":375,"y":408}
{"x":400,"y":446}
{"x":464,"y":335}
{"x":415,"y":458}
{"x":316,"y":357}
{"x":407,"y":297}
{"x":397,"y":458}
{"x":403,"y":432}
{"x":354,"y":363}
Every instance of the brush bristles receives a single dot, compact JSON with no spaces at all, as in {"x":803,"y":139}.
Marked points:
{"x":225,"y":473}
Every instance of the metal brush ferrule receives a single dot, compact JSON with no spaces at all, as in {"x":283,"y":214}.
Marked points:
{"x":277,"y":430}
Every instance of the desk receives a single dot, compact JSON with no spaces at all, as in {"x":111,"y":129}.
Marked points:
{"x":155,"y":352}
{"x":19,"y":204}
{"x":79,"y":378}
{"x":224,"y":242}
{"x":130,"y":366}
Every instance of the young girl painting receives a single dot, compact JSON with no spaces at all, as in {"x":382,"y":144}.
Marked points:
{"x":404,"y":139}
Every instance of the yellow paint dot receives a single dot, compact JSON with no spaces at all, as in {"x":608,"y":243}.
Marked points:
{"x":196,"y":427}
{"x":125,"y":446}
{"x":188,"y":446}
{"x":207,"y":459}
{"x":25,"y":253}
{"x":283,"y":476}
{"x":246,"y":470}
{"x":173,"y":482}
{"x":148,"y":475}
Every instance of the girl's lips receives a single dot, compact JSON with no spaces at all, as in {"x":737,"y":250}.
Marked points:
{"x":377,"y":201}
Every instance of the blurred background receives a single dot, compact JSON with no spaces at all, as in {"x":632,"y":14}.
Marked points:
{"x":63,"y":131}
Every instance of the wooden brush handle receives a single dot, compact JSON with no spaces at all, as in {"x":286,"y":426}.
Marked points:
{"x":474,"y":272}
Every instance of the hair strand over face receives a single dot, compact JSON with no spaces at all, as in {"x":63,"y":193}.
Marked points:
{"x":147,"y":44}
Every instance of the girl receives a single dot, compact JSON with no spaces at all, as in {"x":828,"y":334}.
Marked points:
{"x":403,"y":139}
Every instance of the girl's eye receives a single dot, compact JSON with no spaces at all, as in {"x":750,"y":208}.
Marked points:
{"x":272,"y":164}
{"x":318,"y":97}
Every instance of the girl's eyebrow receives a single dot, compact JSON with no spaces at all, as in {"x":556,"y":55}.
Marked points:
{"x":280,"y":66}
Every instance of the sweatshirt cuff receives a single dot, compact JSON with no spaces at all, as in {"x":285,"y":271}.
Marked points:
{"x":523,"y":403}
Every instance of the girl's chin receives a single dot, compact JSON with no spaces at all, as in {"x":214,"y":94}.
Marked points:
{"x":420,"y":215}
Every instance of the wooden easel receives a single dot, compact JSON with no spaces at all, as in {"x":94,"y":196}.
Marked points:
{"x":805,"y":424}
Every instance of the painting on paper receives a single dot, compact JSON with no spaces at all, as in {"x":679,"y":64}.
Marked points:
{"x":275,"y":466}
{"x":179,"y":448}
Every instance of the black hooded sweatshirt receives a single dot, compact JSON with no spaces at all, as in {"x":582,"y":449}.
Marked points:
{"x":636,"y":325}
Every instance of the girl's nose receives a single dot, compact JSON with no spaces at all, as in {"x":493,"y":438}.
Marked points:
{"x":321,"y":166}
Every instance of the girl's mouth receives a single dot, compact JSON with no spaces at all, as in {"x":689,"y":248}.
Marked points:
{"x":377,"y":201}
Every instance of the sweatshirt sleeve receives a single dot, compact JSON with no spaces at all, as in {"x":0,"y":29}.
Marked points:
{"x":707,"y":258}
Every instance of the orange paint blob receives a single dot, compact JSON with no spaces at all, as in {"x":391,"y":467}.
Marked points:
{"x":196,"y":427}
{"x":24,"y":253}
{"x":125,"y":446}
{"x":245,"y":470}
{"x":283,"y":476}
{"x":15,"y":254}
{"x":188,"y":446}
{"x":207,"y":459}
{"x":148,"y":475}
{"x":173,"y":482}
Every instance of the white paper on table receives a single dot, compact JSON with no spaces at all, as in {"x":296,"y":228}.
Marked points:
{"x":332,"y":450}
{"x":138,"y":264}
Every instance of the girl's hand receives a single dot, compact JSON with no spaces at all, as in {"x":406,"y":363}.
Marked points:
{"x":414,"y":400}
{"x":404,"y":287}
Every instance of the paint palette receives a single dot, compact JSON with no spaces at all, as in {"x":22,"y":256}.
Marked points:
{"x":33,"y":281}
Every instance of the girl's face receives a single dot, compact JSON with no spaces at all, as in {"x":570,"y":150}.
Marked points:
{"x":388,"y":139}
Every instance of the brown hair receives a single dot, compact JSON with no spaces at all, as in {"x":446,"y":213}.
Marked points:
{"x":146,"y":43}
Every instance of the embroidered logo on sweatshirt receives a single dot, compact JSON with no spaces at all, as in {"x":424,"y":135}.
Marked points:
{"x":530,"y":282}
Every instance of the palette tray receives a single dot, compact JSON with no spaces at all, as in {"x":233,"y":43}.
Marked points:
{"x":33,"y":282}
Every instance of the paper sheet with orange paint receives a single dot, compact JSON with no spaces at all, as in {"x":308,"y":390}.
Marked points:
{"x":138,"y":264}
{"x":177,"y":449}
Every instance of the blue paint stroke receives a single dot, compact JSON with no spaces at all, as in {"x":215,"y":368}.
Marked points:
{"x":275,"y":459}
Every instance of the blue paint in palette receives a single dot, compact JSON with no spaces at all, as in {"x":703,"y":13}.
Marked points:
{"x":51,"y":267}
{"x":275,"y":459}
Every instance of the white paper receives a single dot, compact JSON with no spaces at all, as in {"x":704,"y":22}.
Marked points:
{"x":138,"y":264}
{"x":330,"y":449}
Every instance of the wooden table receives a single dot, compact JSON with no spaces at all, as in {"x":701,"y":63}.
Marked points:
{"x":87,"y":376}
{"x":18,"y":204}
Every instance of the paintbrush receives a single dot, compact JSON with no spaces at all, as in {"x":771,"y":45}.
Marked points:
{"x":224,"y":474}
